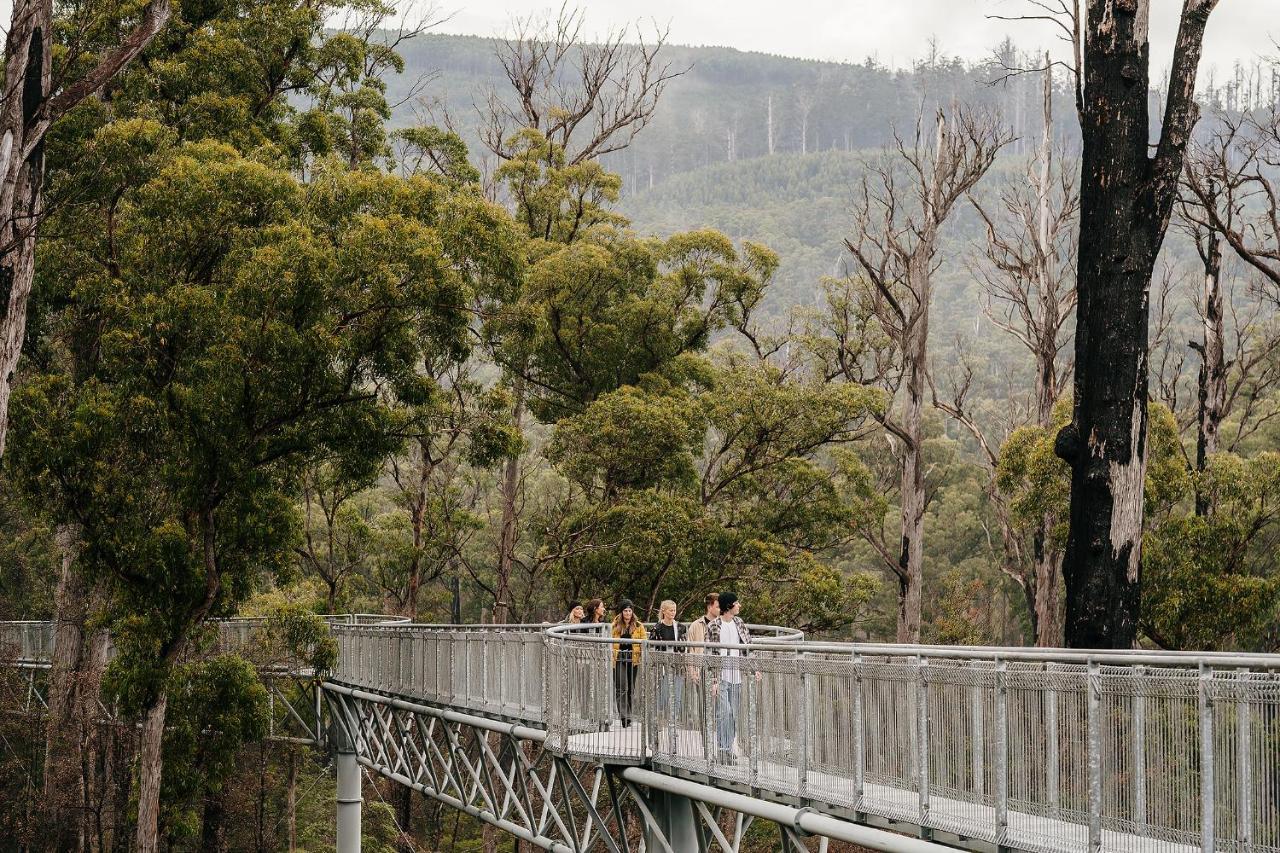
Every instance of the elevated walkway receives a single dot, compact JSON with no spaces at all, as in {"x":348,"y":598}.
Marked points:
{"x":980,"y":748}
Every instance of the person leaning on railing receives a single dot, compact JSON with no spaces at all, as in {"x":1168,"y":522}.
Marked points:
{"x":626,"y":657}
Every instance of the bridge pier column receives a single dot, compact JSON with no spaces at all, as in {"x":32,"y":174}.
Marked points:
{"x":350,"y":799}
{"x":675,"y":820}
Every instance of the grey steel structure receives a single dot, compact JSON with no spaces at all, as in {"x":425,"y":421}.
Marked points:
{"x":980,"y":748}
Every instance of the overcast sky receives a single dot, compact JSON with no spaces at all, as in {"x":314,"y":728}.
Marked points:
{"x":894,"y":31}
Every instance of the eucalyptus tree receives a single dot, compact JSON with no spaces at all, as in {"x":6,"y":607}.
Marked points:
{"x":34,"y":99}
{"x":240,"y":324}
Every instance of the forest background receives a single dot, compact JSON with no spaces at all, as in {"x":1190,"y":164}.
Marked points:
{"x":328,"y":321}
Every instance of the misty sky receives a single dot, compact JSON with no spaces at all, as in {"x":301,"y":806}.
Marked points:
{"x":894,"y":31}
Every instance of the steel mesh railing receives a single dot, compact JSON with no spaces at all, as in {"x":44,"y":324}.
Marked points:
{"x":491,"y":669}
{"x":31,"y":643}
{"x":1043,"y":750}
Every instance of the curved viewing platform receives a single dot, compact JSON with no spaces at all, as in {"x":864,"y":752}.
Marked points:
{"x":1017,"y":748}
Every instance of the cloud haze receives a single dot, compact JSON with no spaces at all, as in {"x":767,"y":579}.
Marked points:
{"x":896,"y":33}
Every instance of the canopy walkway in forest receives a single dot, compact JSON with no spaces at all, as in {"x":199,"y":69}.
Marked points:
{"x":891,"y":747}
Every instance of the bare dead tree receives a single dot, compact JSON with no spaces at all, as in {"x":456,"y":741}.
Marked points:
{"x":587,"y":98}
{"x":32,"y":101}
{"x":1230,"y":197}
{"x":1026,"y":269}
{"x":904,"y":202}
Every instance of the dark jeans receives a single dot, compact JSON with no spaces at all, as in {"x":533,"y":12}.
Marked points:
{"x":624,"y":686}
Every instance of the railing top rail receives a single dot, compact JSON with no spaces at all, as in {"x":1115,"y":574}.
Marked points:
{"x":792,"y":640}
{"x":473,"y":626}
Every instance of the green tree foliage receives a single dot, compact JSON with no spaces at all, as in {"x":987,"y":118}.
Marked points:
{"x":1208,"y":582}
{"x":216,"y":707}
{"x":223,"y":326}
{"x":1209,"y":579}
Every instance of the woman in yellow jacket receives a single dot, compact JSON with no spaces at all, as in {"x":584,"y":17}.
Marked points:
{"x":626,"y":657}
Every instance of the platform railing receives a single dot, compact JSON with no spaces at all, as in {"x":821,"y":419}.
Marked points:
{"x":1032,"y":749}
{"x":30,"y":643}
{"x":596,"y":709}
{"x":492,"y":669}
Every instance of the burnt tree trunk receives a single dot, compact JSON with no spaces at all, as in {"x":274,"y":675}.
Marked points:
{"x":1126,"y":197}
{"x":1212,"y":381}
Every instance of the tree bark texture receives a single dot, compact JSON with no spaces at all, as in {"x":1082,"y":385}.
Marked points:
{"x":1126,"y":199}
{"x":28,"y":109}
{"x":63,"y":795}
{"x":1212,"y":381}
{"x":911,"y":559}
{"x":150,"y":766}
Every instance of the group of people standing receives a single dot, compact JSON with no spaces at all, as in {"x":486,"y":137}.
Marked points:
{"x":718,"y":631}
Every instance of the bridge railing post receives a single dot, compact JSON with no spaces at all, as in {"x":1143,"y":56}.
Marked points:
{"x":1244,"y":762}
{"x":1002,"y":753}
{"x":1139,"y":724}
{"x":1093,"y":754}
{"x":859,"y":736}
{"x":1052,"y":771}
{"x":922,"y":737}
{"x":1206,"y":725}
{"x":806,"y":720}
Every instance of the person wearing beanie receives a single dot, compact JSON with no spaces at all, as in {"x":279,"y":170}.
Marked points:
{"x":626,"y":657}
{"x":726,"y":680}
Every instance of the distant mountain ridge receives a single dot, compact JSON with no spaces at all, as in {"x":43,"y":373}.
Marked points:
{"x":732,"y":105}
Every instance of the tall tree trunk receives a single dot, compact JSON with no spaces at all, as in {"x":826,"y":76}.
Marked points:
{"x":150,"y":766}
{"x":911,"y":559}
{"x":510,"y":495}
{"x":1046,"y":560}
{"x":63,"y":795}
{"x":93,"y":760}
{"x":28,"y":54}
{"x":1126,"y":197}
{"x":1212,"y":384}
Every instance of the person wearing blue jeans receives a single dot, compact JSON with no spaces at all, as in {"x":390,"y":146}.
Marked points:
{"x":730,"y":632}
{"x":667,"y":637}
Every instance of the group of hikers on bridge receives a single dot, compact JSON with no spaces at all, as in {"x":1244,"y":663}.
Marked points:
{"x":720,"y":625}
